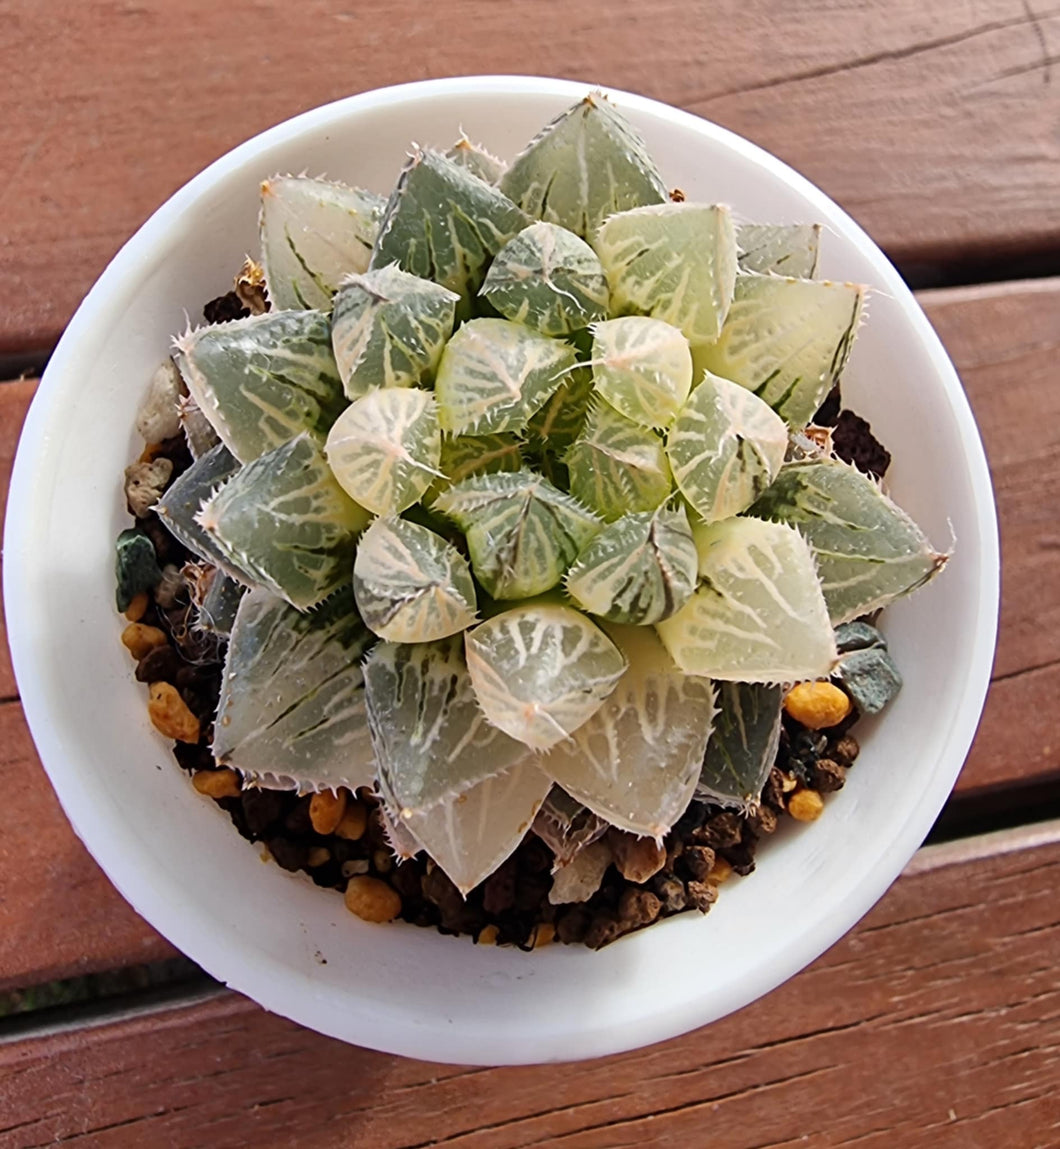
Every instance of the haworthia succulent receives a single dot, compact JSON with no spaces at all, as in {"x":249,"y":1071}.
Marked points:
{"x":291,"y":711}
{"x":261,"y":381}
{"x":285,"y":521}
{"x":388,"y":329}
{"x":198,"y":432}
{"x":743,"y":745}
{"x":444,"y":223}
{"x":522,"y":532}
{"x":471,"y":837}
{"x":725,"y":447}
{"x":618,"y":466}
{"x":787,"y":340}
{"x":638,"y":570}
{"x":477,"y":159}
{"x":784,"y":249}
{"x":642,"y":367}
{"x":385,"y":448}
{"x":432,"y":742}
{"x":562,"y":418}
{"x":540,"y":670}
{"x":636,"y":761}
{"x":759,"y":615}
{"x":585,"y":165}
{"x":410,"y":584}
{"x":673,"y":261}
{"x":313,"y":232}
{"x":548,"y":279}
{"x":494,"y":374}
{"x":868,"y":550}
{"x":180,"y":505}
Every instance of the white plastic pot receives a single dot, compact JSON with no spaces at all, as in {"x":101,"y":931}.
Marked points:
{"x":294,"y":948}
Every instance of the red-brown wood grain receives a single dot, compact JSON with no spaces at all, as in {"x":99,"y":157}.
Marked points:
{"x":935,"y":1023}
{"x":933,"y":123}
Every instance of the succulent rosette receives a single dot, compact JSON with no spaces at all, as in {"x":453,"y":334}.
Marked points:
{"x":509,"y":500}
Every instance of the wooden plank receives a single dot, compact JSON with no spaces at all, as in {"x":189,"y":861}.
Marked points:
{"x":59,"y":915}
{"x":934,"y":124}
{"x":937,"y":1022}
{"x":46,"y":933}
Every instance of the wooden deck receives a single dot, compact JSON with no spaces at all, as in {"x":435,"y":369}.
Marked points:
{"x":936,"y":1022}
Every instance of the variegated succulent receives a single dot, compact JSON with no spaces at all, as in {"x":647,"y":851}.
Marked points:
{"x":508,"y":471}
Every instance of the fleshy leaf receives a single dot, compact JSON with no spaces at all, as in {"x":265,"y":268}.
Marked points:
{"x":291,"y":711}
{"x":522,"y":532}
{"x":494,"y":374}
{"x":445,"y":224}
{"x":432,"y":743}
{"x":385,"y":448}
{"x":673,"y":261}
{"x":478,"y":161}
{"x":869,"y":551}
{"x":561,"y":420}
{"x":264,"y":380}
{"x":217,"y":612}
{"x":743,"y":745}
{"x":285,"y":521}
{"x":470,"y":837}
{"x":567,"y":826}
{"x":410,"y":584}
{"x":467,"y":455}
{"x":638,"y":570}
{"x":617,"y":466}
{"x":642,"y":367}
{"x":541,"y":670}
{"x":585,"y":165}
{"x":388,"y":329}
{"x":787,"y":340}
{"x":759,"y":615}
{"x":782,"y":248}
{"x":636,"y":761}
{"x":313,"y":232}
{"x":181,"y":503}
{"x":725,"y":447}
{"x":548,"y":279}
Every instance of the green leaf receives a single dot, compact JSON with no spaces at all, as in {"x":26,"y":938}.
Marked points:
{"x":636,"y":761}
{"x":642,"y":367}
{"x":285,"y":521}
{"x":477,"y":160}
{"x":410,"y":584}
{"x":385,"y":448}
{"x":432,"y":742}
{"x":388,"y":329}
{"x":494,"y":374}
{"x":759,"y":615}
{"x":585,"y":165}
{"x":617,"y":466}
{"x":548,"y":279}
{"x":869,"y":551}
{"x":673,"y":261}
{"x":540,"y":671}
{"x":182,"y":501}
{"x":743,"y":745}
{"x":471,"y":836}
{"x":313,"y":232}
{"x":522,"y":532}
{"x":264,"y":380}
{"x":787,"y":340}
{"x":291,"y":711}
{"x":725,"y":447}
{"x":784,"y":249}
{"x":638,"y":570}
{"x":467,"y":455}
{"x":445,"y":224}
